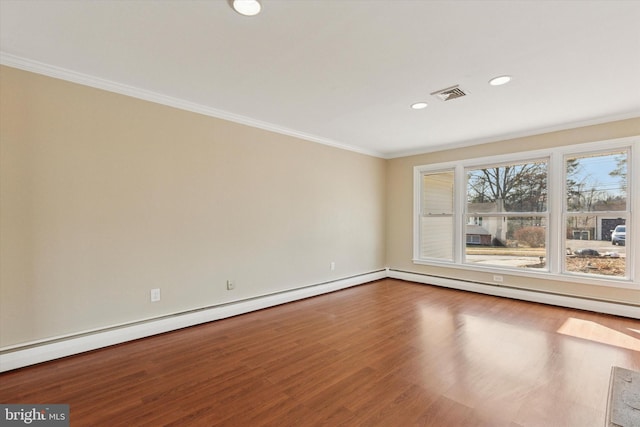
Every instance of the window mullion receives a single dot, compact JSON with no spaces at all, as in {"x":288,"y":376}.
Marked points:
{"x":557,"y":213}
{"x":460,"y":201}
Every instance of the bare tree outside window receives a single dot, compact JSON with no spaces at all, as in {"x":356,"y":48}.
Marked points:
{"x":516,"y":188}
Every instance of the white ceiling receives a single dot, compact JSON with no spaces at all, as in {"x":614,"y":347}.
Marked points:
{"x":344,"y":72}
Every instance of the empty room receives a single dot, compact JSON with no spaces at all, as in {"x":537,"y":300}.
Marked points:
{"x":320,"y":213}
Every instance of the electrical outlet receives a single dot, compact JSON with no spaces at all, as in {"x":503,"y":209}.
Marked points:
{"x":230,"y":285}
{"x":497,"y":278}
{"x":332,"y":265}
{"x":155,"y":295}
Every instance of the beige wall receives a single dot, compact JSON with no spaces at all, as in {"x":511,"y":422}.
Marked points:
{"x":400,"y":216}
{"x":104,"y":197}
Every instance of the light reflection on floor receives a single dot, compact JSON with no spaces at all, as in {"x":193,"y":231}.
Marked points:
{"x":489,"y":358}
{"x":502,"y":361}
{"x":593,"y":331}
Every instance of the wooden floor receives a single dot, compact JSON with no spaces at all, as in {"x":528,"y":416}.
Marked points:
{"x":389,"y":353}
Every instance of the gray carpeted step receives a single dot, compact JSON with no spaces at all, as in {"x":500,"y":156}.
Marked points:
{"x":623,"y":408}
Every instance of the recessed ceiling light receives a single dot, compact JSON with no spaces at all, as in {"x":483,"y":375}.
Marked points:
{"x":419,"y":105}
{"x":247,"y":7}
{"x":500,"y":80}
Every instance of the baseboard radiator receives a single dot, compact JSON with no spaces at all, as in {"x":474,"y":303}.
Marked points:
{"x":54,"y":348}
{"x":617,"y":309}
{"x":26,"y":354}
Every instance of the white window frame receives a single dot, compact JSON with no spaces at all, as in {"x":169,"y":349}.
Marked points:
{"x":556,"y":211}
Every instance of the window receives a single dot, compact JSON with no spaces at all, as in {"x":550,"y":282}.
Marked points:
{"x":512,"y":199}
{"x":563,"y":212}
{"x":595,"y":205}
{"x":436,"y":218}
{"x":473,"y":239}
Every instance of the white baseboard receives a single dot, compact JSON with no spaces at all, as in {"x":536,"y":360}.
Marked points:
{"x":521,"y":294}
{"x":55,"y":348}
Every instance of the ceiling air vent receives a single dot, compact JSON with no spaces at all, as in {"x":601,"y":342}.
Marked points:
{"x":449,"y":93}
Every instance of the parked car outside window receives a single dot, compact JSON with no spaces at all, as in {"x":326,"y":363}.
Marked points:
{"x":618,"y":236}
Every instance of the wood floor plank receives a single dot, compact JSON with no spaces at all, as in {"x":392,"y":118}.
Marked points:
{"x":387,"y":353}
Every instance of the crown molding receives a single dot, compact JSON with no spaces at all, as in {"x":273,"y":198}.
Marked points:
{"x":37,"y":67}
